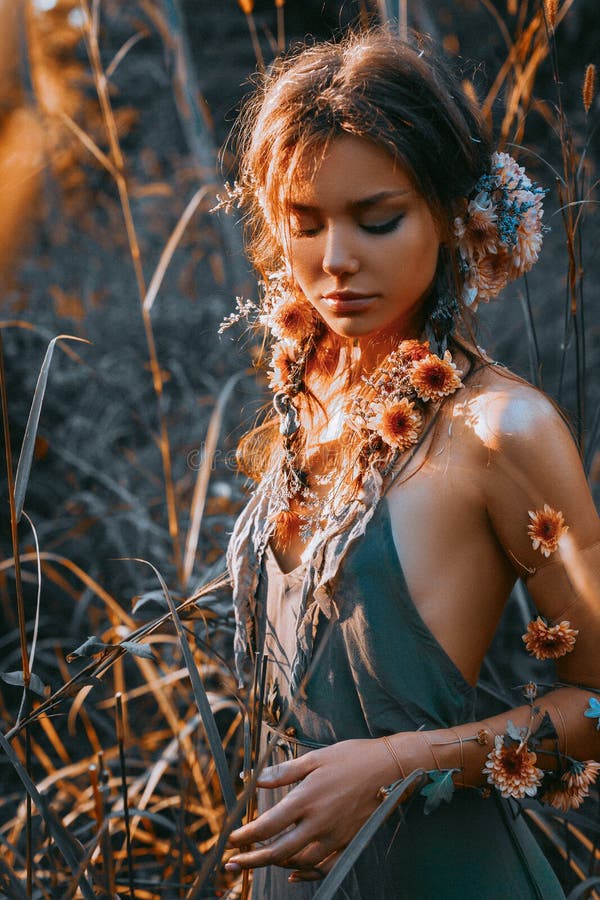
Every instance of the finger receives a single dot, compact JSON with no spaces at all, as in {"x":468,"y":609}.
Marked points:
{"x":285,"y":846}
{"x":317,"y":873}
{"x":287,"y":772}
{"x":309,"y":856}
{"x":272,"y":822}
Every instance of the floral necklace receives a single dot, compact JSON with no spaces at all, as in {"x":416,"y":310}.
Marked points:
{"x":385,"y":418}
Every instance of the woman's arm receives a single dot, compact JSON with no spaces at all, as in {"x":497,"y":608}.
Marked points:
{"x":533,"y":462}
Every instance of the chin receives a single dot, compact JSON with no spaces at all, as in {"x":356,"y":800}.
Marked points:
{"x":351,"y":328}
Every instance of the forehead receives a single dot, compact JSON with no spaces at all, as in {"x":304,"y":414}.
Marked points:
{"x":346,"y":171}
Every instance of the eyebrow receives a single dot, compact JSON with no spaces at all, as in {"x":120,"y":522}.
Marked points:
{"x":365,"y":203}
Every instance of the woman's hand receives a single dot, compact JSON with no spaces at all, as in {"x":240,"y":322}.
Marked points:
{"x":335,"y":794}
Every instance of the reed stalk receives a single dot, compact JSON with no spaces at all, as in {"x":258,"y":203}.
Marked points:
{"x":118,"y":161}
{"x":120,"y":729}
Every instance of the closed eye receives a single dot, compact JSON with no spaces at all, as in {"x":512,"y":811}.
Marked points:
{"x":385,"y":227}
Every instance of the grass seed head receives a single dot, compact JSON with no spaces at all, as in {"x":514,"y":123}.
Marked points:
{"x":551,"y":10}
{"x":589,"y":86}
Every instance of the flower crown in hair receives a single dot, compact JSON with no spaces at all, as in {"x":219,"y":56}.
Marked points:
{"x":499,"y":234}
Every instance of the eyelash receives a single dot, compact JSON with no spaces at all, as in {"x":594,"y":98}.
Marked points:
{"x":384,"y":228}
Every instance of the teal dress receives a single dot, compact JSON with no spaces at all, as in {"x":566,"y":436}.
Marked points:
{"x":346,"y":621}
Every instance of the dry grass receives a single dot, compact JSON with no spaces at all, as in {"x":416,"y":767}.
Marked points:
{"x":121,"y":755}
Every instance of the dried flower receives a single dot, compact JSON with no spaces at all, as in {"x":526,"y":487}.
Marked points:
{"x":499,"y":234}
{"x":549,"y":642}
{"x":512,"y":770}
{"x":398,"y":423}
{"x":581,"y":774}
{"x":570,"y":790}
{"x":292,"y":320}
{"x":280,"y":373}
{"x":488,"y":275}
{"x":589,"y":86}
{"x":593,"y":711}
{"x":560,"y":796}
{"x":244,"y":309}
{"x":434,"y":378}
{"x":546,"y":528}
{"x":247,"y":6}
{"x":413,"y":350}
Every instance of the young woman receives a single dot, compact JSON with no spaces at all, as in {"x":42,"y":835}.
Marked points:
{"x":405,"y":481}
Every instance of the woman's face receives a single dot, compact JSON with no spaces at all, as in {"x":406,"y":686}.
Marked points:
{"x":362,"y":243}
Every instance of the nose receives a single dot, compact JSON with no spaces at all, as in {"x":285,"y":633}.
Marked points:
{"x":339,"y":255}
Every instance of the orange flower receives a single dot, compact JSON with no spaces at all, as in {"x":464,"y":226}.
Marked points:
{"x":413,"y":350}
{"x":529,"y":241}
{"x":546,"y":528}
{"x":581,"y":774}
{"x":477,"y":232}
{"x":569,"y":791}
{"x":292,"y":320}
{"x":512,"y":770}
{"x":560,"y":796}
{"x":489,"y":274}
{"x":434,"y":378}
{"x":549,"y":642}
{"x":281,"y":364}
{"x":398,"y":424}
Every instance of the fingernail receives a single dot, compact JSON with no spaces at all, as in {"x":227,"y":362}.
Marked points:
{"x":232,"y":867}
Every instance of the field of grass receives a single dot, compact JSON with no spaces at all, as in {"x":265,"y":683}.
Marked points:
{"x":123,"y":731}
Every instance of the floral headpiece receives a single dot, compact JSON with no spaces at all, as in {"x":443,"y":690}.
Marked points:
{"x":499,"y":234}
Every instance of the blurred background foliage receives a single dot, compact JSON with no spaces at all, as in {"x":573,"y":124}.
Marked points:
{"x":113,"y":117}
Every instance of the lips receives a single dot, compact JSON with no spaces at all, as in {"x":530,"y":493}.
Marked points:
{"x":348,"y":301}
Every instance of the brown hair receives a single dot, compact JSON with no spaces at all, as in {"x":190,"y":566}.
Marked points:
{"x":399,"y":95}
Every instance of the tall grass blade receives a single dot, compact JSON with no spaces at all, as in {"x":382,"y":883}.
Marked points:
{"x":35,"y":683}
{"x":14,"y":528}
{"x":120,"y":726}
{"x":171,"y":245}
{"x":202,"y":702}
{"x":124,"y":50}
{"x":88,"y":143}
{"x":60,"y":834}
{"x":347,"y":859}
{"x":28,"y":445}
{"x":203,"y":477}
{"x":17,"y":892}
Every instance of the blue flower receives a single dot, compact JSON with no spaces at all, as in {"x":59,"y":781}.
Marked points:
{"x":593,"y":711}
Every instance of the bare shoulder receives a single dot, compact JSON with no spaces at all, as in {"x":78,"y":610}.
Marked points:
{"x":532,"y":458}
{"x":514,"y":412}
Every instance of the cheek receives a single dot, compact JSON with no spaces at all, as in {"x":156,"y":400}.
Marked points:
{"x":304,"y":260}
